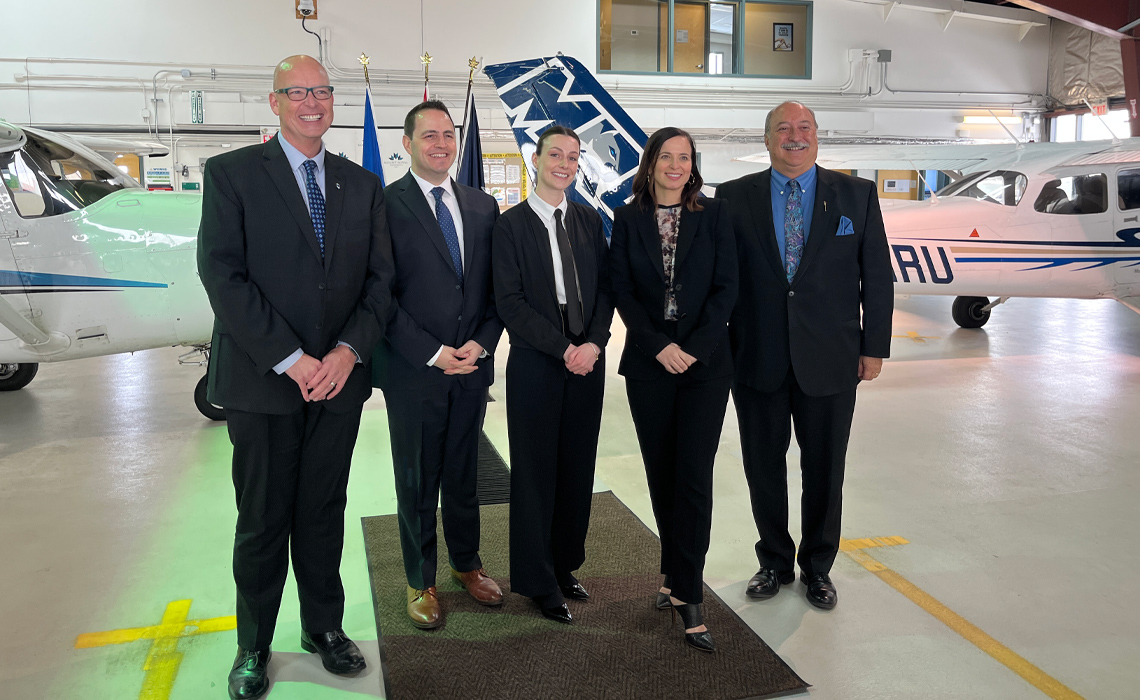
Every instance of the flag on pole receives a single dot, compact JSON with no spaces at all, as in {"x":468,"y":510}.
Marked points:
{"x":471,"y":154}
{"x":371,"y":159}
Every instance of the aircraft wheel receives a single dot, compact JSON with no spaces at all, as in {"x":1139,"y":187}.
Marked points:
{"x":204,"y":406}
{"x":968,"y":311}
{"x":16,"y":376}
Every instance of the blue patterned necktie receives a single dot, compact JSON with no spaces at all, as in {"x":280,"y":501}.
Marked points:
{"x":447,"y":225}
{"x":316,"y":203}
{"x":793,"y":229}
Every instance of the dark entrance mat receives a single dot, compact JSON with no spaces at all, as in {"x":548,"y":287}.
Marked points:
{"x":618,"y":647}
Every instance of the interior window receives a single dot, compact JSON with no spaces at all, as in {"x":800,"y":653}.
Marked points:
{"x":1128,"y":185}
{"x":1004,"y":187}
{"x":46,"y":178}
{"x":1076,"y":194}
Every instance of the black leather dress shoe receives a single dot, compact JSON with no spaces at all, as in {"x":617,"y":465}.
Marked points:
{"x":249,"y":678}
{"x":820,"y":590}
{"x":339,"y":654}
{"x":766,"y":582}
{"x":575,"y":591}
{"x":558,"y":613}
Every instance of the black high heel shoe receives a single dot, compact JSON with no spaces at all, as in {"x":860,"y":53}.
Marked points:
{"x":691,"y":617}
{"x":663,"y":602}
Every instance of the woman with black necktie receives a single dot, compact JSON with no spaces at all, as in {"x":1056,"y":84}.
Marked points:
{"x":674,"y":276}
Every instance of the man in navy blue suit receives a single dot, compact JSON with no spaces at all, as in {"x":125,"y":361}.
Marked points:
{"x":437,"y":360}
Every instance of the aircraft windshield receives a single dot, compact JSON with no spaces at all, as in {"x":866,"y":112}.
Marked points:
{"x":995,"y":186}
{"x":47,"y":178}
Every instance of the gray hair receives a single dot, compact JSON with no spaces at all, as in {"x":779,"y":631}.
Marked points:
{"x":768,"y":118}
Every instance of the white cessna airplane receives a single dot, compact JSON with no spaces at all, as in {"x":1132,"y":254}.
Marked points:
{"x":1032,"y":220}
{"x":90,"y":262}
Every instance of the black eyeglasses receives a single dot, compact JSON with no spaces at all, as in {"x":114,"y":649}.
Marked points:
{"x":296,"y":94}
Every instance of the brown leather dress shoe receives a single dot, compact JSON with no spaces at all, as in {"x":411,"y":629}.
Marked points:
{"x":481,"y":586}
{"x":423,"y":608}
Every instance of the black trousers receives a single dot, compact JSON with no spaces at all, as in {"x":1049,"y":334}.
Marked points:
{"x":435,"y":450}
{"x":553,"y":419}
{"x":678,"y":425}
{"x":823,"y":426}
{"x":290,"y":474}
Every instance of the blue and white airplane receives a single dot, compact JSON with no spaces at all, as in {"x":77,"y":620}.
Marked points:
{"x":1027,"y":220}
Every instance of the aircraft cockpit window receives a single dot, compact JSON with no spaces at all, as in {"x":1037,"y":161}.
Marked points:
{"x":1004,"y":187}
{"x":1077,"y":194}
{"x":46,"y":178}
{"x":1128,"y":186}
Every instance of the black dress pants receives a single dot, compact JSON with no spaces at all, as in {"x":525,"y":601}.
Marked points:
{"x":290,"y":475}
{"x":435,"y":451}
{"x":822,"y":426}
{"x":678,"y":425}
{"x":553,"y":419}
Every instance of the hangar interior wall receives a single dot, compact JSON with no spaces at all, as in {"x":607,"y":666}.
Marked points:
{"x":119,"y":66}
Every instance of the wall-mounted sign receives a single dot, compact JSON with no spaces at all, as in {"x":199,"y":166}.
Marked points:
{"x":898,"y":185}
{"x":505,"y":177}
{"x":782,"y":36}
{"x":197,"y":107}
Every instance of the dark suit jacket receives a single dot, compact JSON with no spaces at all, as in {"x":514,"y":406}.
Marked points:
{"x":812,"y":324}
{"x":431,"y":307}
{"x":524,"y":278}
{"x":260,"y":263}
{"x":704,"y":280}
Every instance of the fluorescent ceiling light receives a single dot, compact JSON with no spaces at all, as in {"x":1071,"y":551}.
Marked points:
{"x":989,"y":120}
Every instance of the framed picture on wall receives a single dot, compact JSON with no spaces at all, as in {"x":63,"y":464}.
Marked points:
{"x":781,"y":36}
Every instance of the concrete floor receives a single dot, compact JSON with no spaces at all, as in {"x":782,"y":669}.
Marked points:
{"x":1006,"y":457}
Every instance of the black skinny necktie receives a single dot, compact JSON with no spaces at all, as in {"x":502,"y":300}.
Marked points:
{"x":574,"y":316}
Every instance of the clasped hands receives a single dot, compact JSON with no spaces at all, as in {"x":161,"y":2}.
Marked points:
{"x":320,"y":380}
{"x":580,"y":359}
{"x":674,"y":359}
{"x":459,"y":360}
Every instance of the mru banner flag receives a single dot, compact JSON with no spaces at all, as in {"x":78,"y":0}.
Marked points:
{"x":371,"y":159}
{"x":471,"y":157}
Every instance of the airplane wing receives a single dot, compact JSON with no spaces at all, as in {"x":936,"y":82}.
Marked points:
{"x":107,"y":146}
{"x":541,"y":92}
{"x":954,"y":157}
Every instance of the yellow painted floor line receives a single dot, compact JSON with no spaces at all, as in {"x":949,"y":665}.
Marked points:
{"x":970,"y":632}
{"x":163,"y":659}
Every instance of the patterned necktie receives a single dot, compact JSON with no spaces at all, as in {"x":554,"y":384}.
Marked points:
{"x":316,"y":203}
{"x":447,"y":225}
{"x":575,"y":318}
{"x":793,"y":229}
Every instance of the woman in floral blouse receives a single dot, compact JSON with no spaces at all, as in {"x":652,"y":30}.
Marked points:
{"x":674,"y":277}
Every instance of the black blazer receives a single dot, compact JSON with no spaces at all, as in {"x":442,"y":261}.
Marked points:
{"x":260,"y":263}
{"x":704,"y":280}
{"x":524,"y":278}
{"x":812,"y":324}
{"x":431,"y":307}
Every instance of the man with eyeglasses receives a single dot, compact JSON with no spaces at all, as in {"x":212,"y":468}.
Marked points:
{"x":294,"y":254}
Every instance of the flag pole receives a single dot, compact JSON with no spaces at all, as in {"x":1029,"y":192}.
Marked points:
{"x":472,"y":65}
{"x":426,"y":61}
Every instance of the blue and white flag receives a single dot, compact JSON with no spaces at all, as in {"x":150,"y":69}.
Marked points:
{"x":371,"y":159}
{"x":471,"y":157}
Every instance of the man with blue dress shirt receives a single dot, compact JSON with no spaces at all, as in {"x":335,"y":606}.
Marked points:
{"x":812,"y":320}
{"x":294,"y":255}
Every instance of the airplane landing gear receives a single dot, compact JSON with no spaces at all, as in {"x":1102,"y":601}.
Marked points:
{"x":15,"y":376}
{"x":973,"y":312}
{"x":200,"y":356}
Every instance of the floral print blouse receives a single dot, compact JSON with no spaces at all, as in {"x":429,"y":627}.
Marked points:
{"x":668,"y":226}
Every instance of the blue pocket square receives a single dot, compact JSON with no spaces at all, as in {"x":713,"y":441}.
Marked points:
{"x":845,"y":227}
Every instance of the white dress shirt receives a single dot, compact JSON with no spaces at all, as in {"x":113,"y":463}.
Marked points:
{"x":546,"y":213}
{"x":297,"y":164}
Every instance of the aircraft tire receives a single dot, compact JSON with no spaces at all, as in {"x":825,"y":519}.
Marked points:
{"x":204,"y":406}
{"x":968,"y":313}
{"x":14,"y":377}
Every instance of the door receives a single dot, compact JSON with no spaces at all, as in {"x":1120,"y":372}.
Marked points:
{"x":12,"y":291}
{"x":1127,"y":226}
{"x":690,"y":37}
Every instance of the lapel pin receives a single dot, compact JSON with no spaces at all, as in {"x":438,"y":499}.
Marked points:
{"x":338,"y":185}
{"x":824,"y":202}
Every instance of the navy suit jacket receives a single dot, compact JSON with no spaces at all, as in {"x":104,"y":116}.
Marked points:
{"x":836,"y":308}
{"x":430,"y":306}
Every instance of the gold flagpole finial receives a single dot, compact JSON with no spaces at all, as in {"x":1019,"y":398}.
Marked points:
{"x":426,"y":61}
{"x":473,"y":64}
{"x":363,"y":58}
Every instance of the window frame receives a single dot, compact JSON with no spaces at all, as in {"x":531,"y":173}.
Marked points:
{"x":737,"y":41}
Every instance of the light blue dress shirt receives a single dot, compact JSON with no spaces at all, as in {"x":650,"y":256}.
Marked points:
{"x":780,"y":202}
{"x":297,"y":164}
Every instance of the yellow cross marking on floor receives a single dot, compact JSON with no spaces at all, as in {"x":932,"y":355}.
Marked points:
{"x":856,"y":549}
{"x":912,"y":335}
{"x":163,"y":658}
